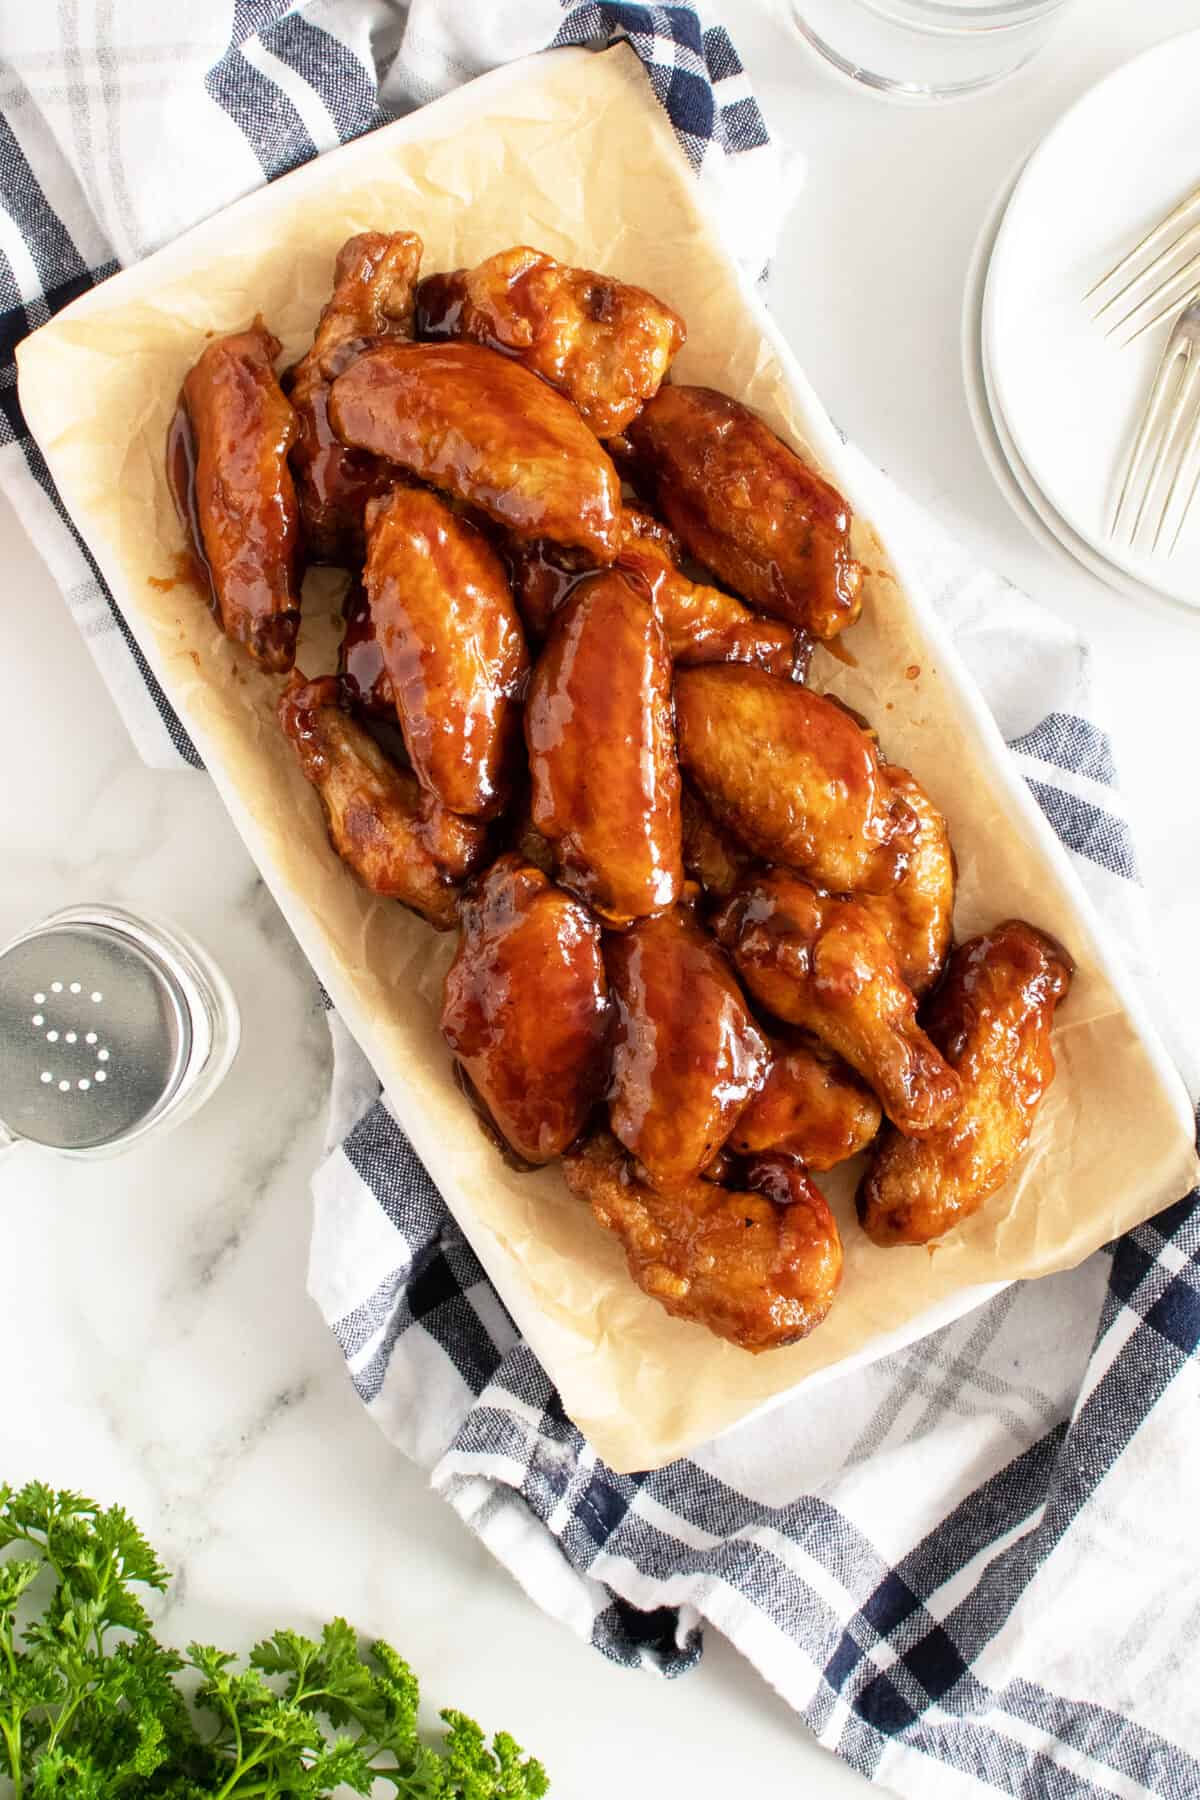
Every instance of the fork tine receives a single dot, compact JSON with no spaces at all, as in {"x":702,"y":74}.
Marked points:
{"x":1168,"y":291}
{"x":1145,"y":431}
{"x":1186,"y":452}
{"x":1164,"y":256}
{"x":1183,"y":393}
{"x":1186,"y":299}
{"x":1154,"y":236}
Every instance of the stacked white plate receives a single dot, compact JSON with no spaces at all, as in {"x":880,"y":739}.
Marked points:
{"x":1055,"y":402}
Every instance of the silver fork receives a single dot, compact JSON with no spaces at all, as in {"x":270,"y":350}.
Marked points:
{"x":1164,"y":449}
{"x":1170,"y":287}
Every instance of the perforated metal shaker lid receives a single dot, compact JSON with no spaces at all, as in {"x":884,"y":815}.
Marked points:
{"x":95,"y":1035}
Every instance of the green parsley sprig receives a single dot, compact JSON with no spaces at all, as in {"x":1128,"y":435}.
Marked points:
{"x":93,"y":1707}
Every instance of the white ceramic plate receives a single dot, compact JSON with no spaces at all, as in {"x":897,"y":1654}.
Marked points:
{"x":1069,"y":396}
{"x":995,"y":440}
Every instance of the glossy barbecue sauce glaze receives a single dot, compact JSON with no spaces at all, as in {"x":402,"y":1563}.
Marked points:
{"x":749,"y":508}
{"x":335,"y":482}
{"x":598,"y":729}
{"x":441,"y":300}
{"x":542,"y":579}
{"x":452,"y":645}
{"x":686,"y":1054}
{"x":361,"y":658}
{"x":525,"y":1009}
{"x":193,"y":565}
{"x":487,"y":431}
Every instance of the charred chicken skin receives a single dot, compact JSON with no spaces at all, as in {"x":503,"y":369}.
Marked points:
{"x":451,"y":645}
{"x":525,"y":1007}
{"x":758,"y":1264}
{"x":821,"y":962}
{"x":602,"y":343}
{"x":487,"y":431}
{"x":748,"y":508}
{"x":991,"y":1017}
{"x":395,"y":837}
{"x":243,"y":427}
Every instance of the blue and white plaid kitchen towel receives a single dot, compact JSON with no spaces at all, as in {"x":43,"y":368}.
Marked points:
{"x":969,"y":1566}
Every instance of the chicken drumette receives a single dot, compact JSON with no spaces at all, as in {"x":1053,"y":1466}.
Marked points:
{"x":916,"y":915}
{"x":992,"y":1017}
{"x":812,"y":1106}
{"x":821,"y":962}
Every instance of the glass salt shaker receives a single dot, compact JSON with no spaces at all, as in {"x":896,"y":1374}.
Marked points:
{"x":111,"y":1027}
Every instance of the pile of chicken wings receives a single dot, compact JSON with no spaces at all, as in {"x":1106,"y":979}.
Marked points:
{"x":704,"y":926}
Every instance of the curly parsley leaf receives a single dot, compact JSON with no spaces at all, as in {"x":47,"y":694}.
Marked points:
{"x":91,"y":1706}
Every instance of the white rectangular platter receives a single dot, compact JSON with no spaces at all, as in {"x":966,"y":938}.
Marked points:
{"x":571,"y":152}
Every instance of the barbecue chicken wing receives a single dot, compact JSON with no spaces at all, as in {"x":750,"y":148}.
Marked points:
{"x":451,"y":645}
{"x":486,"y":430}
{"x":245,"y":501}
{"x":792,"y":775}
{"x":395,"y":837}
{"x":992,"y":1017}
{"x":605,"y":783}
{"x":748,"y":507}
{"x":759,"y":1264}
{"x":373,"y":282}
{"x":603,"y":344}
{"x":525,"y":1007}
{"x":821,"y":962}
{"x":686,"y":1054}
{"x":917,"y":915}
{"x":812,"y":1106}
{"x":702,"y":624}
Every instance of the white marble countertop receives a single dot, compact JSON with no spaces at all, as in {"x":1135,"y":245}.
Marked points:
{"x":157,"y":1344}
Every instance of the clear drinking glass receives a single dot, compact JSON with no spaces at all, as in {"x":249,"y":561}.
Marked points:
{"x":927,"y":49}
